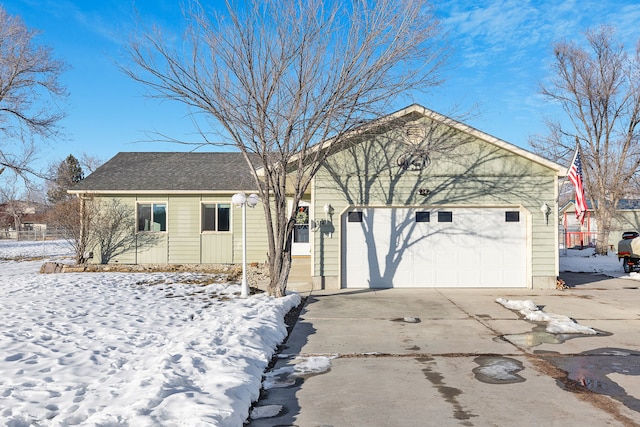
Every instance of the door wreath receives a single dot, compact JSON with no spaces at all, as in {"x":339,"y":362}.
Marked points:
{"x":301,"y":216}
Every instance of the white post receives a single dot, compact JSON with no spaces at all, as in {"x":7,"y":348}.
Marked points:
{"x":241,"y":200}
{"x":244,"y":292}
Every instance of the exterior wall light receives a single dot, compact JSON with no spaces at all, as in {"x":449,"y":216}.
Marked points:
{"x":328,"y":215}
{"x":546,"y":211}
{"x":328,"y":210}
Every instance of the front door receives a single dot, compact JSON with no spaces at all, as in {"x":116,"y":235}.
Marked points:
{"x":300,"y":245}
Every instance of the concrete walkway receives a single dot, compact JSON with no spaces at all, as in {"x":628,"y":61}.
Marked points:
{"x":437,"y":357}
{"x":300,"y":275}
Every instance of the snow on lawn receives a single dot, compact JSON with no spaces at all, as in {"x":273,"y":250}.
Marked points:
{"x":12,"y":249}
{"x":143,"y":349}
{"x":586,"y":261}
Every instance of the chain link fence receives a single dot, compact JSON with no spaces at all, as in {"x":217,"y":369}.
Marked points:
{"x":36,"y":234}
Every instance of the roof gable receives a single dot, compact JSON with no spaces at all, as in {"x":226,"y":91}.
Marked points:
{"x":156,"y":172}
{"x":416,"y":110}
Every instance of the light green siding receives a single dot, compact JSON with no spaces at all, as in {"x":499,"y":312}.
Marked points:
{"x":257,"y":246}
{"x":216,"y":249}
{"x":470,"y":172}
{"x":156,"y":254}
{"x":184,"y":242}
{"x":183,"y":227}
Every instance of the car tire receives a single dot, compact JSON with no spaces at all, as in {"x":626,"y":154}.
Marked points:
{"x":625,"y":265}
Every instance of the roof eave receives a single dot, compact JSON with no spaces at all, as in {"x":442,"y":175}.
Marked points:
{"x":156,"y":192}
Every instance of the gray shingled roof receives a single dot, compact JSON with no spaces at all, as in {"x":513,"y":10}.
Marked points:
{"x":170,"y":172}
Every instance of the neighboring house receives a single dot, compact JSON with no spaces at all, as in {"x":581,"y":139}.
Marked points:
{"x":627,"y":218}
{"x":18,"y":216}
{"x":414,"y":199}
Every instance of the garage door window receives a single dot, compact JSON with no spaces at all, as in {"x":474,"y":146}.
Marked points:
{"x":512,"y":216}
{"x":445,"y":216}
{"x":423,"y":216}
{"x":354,"y":217}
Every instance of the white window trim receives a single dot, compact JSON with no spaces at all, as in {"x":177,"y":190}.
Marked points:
{"x":166,"y":213}
{"x":216,"y":231}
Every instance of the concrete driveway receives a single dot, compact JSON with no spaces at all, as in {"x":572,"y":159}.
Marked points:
{"x":451,"y":357}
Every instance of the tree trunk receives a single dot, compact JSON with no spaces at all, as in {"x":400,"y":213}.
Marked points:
{"x":280,"y":275}
{"x":602,"y":244}
{"x":280,"y":261}
{"x":603,"y":219}
{"x":16,"y":224}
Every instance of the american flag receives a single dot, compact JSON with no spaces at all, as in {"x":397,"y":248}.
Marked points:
{"x":575,"y":176}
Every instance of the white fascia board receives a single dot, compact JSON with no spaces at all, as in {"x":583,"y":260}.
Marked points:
{"x":151,"y":192}
{"x":448,"y":121}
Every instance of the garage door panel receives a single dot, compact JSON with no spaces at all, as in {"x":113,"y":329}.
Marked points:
{"x":477,"y":248}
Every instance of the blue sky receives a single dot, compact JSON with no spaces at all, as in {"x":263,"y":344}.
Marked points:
{"x":501,"y":52}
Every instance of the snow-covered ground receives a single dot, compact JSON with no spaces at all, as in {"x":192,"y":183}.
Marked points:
{"x":145,"y":349}
{"x":128,"y":349}
{"x":19,"y":250}
{"x":585,"y":261}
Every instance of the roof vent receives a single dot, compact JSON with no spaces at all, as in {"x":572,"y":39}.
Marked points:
{"x":414,"y":133}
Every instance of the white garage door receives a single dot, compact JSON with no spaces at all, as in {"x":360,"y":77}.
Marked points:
{"x":412,"y":247}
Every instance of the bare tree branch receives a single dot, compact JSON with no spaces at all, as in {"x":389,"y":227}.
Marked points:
{"x":598,"y":88}
{"x":29,"y":93}
{"x":280,"y":77}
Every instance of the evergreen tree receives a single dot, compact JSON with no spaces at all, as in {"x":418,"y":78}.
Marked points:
{"x":68,"y":173}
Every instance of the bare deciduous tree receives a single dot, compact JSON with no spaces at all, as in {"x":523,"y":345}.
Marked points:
{"x":29,"y":92}
{"x":90,"y":163}
{"x":112,"y":229}
{"x":73,"y":216}
{"x":281,"y":77}
{"x":105,"y":225}
{"x":598,"y":87}
{"x":12,"y":213}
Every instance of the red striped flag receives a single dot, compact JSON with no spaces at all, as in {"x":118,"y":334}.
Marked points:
{"x":575,"y":176}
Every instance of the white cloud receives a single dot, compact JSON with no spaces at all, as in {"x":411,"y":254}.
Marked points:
{"x":513,"y":31}
{"x":503,"y":49}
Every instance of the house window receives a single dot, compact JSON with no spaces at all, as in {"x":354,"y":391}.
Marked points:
{"x":445,"y":216}
{"x":152,"y":217}
{"x":512,"y":216}
{"x":216,"y":217}
{"x":354,"y":217}
{"x":423,"y":216}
